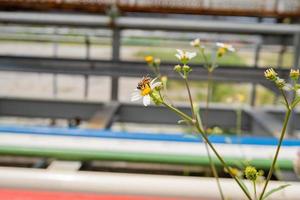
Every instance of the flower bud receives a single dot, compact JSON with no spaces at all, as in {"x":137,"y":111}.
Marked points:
{"x":270,"y":74}
{"x":280,"y":83}
{"x":157,"y":61}
{"x":251,"y":173}
{"x":149,"y":59}
{"x":234,"y":171}
{"x":186,"y":68}
{"x":177,"y":68}
{"x":221,"y":51}
{"x":294,"y":74}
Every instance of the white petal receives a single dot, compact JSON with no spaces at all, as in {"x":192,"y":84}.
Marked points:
{"x":136,"y":94}
{"x":191,"y":55}
{"x":153,"y":80}
{"x":136,"y":97}
{"x":146,"y":100}
{"x":298,"y":92}
{"x":219,"y":44}
{"x":231,"y":48}
{"x":180,"y":52}
{"x":154,"y":85}
{"x":178,"y":56}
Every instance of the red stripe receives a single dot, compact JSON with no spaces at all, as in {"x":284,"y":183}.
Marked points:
{"x":15,"y":194}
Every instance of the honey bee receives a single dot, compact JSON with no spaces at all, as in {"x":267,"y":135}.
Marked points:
{"x":145,"y":81}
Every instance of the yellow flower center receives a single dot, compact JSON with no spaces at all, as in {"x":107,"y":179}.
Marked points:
{"x":149,"y":59}
{"x":221,"y":51}
{"x":145,"y":90}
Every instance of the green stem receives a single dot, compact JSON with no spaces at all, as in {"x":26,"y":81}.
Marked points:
{"x":255,"y":193}
{"x":286,"y":120}
{"x":214,"y":171}
{"x":224,"y":163}
{"x":178,"y":112}
{"x":190,"y":97}
{"x":285,"y":99}
{"x":189,"y":119}
{"x":208,"y":93}
{"x":212,"y":165}
{"x":204,"y":57}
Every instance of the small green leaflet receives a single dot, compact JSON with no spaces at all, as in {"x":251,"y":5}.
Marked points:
{"x":274,"y":190}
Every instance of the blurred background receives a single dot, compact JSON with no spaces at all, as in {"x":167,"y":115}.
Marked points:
{"x":67,"y":71}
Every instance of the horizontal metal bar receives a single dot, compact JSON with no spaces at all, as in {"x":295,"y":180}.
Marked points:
{"x":48,"y":108}
{"x":223,"y":116}
{"x":95,"y":21}
{"x":205,"y":26}
{"x":129,"y":69}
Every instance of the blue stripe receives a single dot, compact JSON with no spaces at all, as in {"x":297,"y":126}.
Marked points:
{"x":253,"y":140}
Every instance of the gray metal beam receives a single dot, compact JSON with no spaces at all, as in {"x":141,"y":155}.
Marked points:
{"x":205,"y":26}
{"x":261,"y":120}
{"x":221,"y":115}
{"x":129,"y":69}
{"x":48,"y":108}
{"x":54,"y":19}
{"x":97,"y":21}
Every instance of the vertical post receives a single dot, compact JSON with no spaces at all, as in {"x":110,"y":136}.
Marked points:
{"x":296,"y":50}
{"x":87,"y":46}
{"x":87,"y":57}
{"x":254,"y":86}
{"x":280,"y":56}
{"x":54,"y":78}
{"x":291,"y":124}
{"x":55,"y":55}
{"x":116,"y":43}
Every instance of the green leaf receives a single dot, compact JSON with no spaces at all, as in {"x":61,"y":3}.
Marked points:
{"x":275,"y":190}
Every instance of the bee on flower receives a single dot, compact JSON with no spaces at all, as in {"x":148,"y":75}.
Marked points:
{"x":224,"y":48}
{"x":144,"y":90}
{"x":185,"y":56}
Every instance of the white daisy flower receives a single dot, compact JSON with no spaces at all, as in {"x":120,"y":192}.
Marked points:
{"x":144,"y":89}
{"x":195,"y":43}
{"x":185,"y":56}
{"x":227,"y":47}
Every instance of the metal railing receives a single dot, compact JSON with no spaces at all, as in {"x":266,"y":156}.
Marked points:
{"x":269,"y":33}
{"x":256,"y":8}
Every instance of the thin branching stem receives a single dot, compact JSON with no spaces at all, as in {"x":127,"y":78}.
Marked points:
{"x":255,"y":193}
{"x":190,"y":97}
{"x":285,"y":123}
{"x":285,"y":99}
{"x":214,"y":171}
{"x":204,"y":57}
{"x":200,"y":130}
{"x":211,"y":163}
{"x":223,"y":162}
{"x":212,"y":166}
